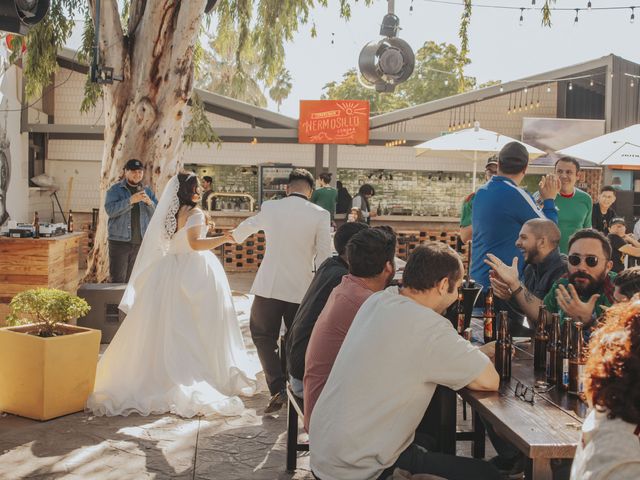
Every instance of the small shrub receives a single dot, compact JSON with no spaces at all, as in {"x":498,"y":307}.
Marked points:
{"x":46,"y":307}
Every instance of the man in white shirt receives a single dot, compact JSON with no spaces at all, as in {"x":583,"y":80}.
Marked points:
{"x":297,"y":235}
{"x":398,"y":349}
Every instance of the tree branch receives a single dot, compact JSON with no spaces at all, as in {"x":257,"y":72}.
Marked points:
{"x":136,"y":11}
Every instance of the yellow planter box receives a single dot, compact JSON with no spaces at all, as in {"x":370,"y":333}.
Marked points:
{"x":43,"y":378}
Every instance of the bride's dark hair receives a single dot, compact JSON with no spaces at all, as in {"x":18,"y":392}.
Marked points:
{"x":188,"y":186}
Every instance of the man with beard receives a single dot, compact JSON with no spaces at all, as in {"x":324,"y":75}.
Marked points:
{"x":580,"y":294}
{"x":129,"y":206}
{"x":370,"y":255}
{"x":538,"y":241}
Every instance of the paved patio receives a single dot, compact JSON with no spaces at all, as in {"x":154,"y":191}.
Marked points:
{"x":82,"y":446}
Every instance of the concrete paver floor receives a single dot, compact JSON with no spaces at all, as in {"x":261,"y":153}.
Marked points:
{"x":82,"y":446}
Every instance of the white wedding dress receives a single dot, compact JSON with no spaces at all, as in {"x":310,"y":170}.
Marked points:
{"x":180,"y":348}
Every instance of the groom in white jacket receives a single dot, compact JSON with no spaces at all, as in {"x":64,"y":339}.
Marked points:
{"x":298,"y":241}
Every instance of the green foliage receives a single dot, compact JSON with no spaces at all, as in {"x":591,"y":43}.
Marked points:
{"x":199,"y":129}
{"x":281,"y":88}
{"x":46,"y":307}
{"x":92,"y":91}
{"x":546,"y":13}
{"x":432,"y":79}
{"x":43,"y":42}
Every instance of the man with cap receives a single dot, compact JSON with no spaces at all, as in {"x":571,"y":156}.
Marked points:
{"x":129,"y":206}
{"x":501,"y":208}
{"x":466,"y":230}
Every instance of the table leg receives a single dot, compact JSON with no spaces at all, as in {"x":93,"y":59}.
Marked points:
{"x":539,"y":469}
{"x":478,"y":436}
{"x":448,"y":421}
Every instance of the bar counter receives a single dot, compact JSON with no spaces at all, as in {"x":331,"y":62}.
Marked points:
{"x":27,"y":263}
{"x":411,"y":231}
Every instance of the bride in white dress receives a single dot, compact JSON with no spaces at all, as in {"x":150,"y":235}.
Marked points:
{"x":180,"y":348}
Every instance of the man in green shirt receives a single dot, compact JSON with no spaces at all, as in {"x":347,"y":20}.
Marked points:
{"x":574,"y":205}
{"x":466,"y":231}
{"x":325,"y":195}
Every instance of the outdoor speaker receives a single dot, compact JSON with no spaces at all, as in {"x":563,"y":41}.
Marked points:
{"x":18,"y":16}
{"x":104,"y":315}
{"x":386,"y":63}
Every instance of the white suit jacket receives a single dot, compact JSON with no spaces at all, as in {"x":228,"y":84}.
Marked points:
{"x":297,"y":233}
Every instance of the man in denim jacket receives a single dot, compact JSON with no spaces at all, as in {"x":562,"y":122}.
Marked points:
{"x":129,"y":206}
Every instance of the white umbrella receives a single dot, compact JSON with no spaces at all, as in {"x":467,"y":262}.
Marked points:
{"x":616,"y":148}
{"x":472,"y":141}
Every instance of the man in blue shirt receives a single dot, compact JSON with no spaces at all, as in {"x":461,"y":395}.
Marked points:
{"x":501,"y":208}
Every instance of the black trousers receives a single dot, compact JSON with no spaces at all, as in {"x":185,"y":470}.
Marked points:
{"x":122,"y":256}
{"x":416,"y":459}
{"x":265,"y":321}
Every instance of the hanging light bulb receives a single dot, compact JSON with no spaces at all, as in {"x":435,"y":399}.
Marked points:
{"x":446,"y":82}
{"x":526,"y":89}
{"x":570,"y":86}
{"x":548,"y":89}
{"x":533,"y":2}
{"x":589,"y":5}
{"x":501,"y":88}
{"x":632,"y":84}
{"x":411,"y":7}
{"x":633,"y":15}
{"x":575,"y":20}
{"x":333,"y":36}
{"x":521,"y":16}
{"x":591,"y":82}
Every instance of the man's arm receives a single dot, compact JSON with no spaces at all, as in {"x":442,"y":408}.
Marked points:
{"x":466,"y":234}
{"x":487,"y":381}
{"x":323,"y":239}
{"x":152,"y":196}
{"x":114,"y":206}
{"x":588,"y":220}
{"x":250,"y":226}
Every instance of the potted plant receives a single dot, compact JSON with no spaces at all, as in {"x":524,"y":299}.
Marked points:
{"x":47,"y":366}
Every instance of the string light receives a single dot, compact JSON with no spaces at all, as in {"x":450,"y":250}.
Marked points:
{"x":521,"y":16}
{"x":548,"y":89}
{"x":633,"y":15}
{"x":525,"y":90}
{"x":632,"y":84}
{"x":570,"y":86}
{"x":589,"y":5}
{"x":501,"y":87}
{"x":575,"y":20}
{"x":411,"y":7}
{"x":333,"y":37}
{"x":591,"y":82}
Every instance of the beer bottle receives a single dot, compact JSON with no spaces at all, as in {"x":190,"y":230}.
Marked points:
{"x":502,"y":356}
{"x":563,"y":355}
{"x":553,"y":347}
{"x":489,"y":318}
{"x":540,"y":341}
{"x":70,"y":223}
{"x":460,"y":311}
{"x":577,"y":362}
{"x":36,"y":225}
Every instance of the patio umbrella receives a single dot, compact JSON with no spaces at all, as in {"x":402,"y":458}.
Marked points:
{"x":616,"y":148}
{"x":469,"y":143}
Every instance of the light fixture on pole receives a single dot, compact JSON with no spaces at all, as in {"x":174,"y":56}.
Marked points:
{"x":390,"y":61}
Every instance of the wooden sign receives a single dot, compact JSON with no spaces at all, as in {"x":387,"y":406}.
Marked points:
{"x":344,"y":122}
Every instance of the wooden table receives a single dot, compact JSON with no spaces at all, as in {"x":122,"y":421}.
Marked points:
{"x":550,"y":428}
{"x":31,"y":263}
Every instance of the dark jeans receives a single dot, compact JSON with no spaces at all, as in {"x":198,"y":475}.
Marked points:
{"x":264,"y":322}
{"x":416,"y":459}
{"x":122,"y":256}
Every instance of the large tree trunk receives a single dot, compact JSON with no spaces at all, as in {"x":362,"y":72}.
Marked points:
{"x":144,"y":113}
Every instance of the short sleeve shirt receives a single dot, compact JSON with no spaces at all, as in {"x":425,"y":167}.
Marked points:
{"x":395,"y":354}
{"x":465,"y":214}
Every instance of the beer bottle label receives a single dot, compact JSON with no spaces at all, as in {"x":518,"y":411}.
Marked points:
{"x":565,"y":372}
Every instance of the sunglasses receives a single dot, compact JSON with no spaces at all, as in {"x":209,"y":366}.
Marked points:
{"x":590,"y":260}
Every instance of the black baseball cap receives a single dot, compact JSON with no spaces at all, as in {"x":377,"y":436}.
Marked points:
{"x":134,"y":164}
{"x":492,"y":160}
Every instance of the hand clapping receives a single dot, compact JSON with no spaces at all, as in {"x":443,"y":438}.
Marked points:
{"x":549,"y":187}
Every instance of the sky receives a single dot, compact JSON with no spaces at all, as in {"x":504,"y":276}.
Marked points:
{"x":500,"y":48}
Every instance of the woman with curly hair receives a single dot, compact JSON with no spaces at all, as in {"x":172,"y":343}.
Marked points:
{"x":610,"y":444}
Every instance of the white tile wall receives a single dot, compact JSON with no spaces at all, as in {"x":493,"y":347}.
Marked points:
{"x":69,"y":93}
